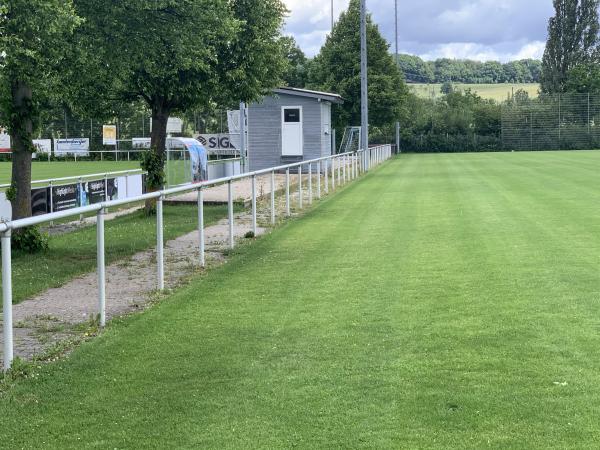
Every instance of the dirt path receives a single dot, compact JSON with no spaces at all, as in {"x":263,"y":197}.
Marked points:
{"x":67,"y":312}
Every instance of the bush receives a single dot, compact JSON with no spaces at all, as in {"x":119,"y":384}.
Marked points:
{"x":29,"y":240}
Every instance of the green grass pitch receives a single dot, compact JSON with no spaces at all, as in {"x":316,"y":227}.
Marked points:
{"x":445,"y":301}
{"x":43,"y":170}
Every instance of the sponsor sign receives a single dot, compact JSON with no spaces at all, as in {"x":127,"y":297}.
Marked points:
{"x":43,"y":145}
{"x":130,"y":186}
{"x":217,"y":141}
{"x":98,"y":191}
{"x":140,"y":143}
{"x":71,"y":146}
{"x":174,"y":125}
{"x":40,"y":201}
{"x":5,"y":208}
{"x":65,"y":197}
{"x":4,"y":142}
{"x":109,"y":135}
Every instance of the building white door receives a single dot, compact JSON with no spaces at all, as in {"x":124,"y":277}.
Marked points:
{"x":291,"y":131}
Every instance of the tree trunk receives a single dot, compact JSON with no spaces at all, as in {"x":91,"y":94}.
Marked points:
{"x":21,"y":134}
{"x":160,"y":117}
{"x":158,"y":140}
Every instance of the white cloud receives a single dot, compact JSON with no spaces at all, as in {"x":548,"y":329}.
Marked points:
{"x":478,"y":52}
{"x":478,"y":29}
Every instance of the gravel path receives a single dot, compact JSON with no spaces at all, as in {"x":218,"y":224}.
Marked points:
{"x":65,"y":312}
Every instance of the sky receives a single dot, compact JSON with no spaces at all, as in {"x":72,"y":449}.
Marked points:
{"x":501,"y":30}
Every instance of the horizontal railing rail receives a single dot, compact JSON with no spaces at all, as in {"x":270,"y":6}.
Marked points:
{"x":330,"y":171}
{"x":92,"y":176}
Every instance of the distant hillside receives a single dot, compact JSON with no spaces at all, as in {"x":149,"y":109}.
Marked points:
{"x":493,"y":91}
{"x":416,"y":70}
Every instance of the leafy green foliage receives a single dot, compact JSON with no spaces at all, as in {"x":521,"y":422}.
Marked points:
{"x":154,"y":164}
{"x":573,"y":39}
{"x":296,"y":74}
{"x":337,"y":69}
{"x":29,"y":240}
{"x":32,"y":40}
{"x":466,"y":71}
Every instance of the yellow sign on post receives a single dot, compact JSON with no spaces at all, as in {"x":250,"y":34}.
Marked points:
{"x":109,"y":135}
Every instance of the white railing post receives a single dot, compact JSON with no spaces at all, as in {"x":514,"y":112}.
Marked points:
{"x":105,"y":187}
{"x":201,"y":226}
{"x":310,"y":191}
{"x":160,"y":244}
{"x":319,"y":180}
{"x":345,"y":162}
{"x":300,"y":187}
{"x":272,"y":197}
{"x":101,"y":266}
{"x":79,"y":196}
{"x":339,"y":172}
{"x":7,"y":300}
{"x":333,"y":173}
{"x":254,"y":230}
{"x":287,"y":192}
{"x":326,"y":176}
{"x":230,"y":213}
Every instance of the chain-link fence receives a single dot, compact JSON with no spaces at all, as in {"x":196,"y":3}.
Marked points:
{"x":552,"y":122}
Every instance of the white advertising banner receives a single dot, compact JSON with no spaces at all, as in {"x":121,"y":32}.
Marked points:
{"x":217,"y":141}
{"x":72,"y":146}
{"x":109,"y":135}
{"x":4,"y":142}
{"x":43,"y":145}
{"x":140,"y":143}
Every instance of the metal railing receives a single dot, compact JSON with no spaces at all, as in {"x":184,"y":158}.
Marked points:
{"x":80,"y":178}
{"x":331,"y":171}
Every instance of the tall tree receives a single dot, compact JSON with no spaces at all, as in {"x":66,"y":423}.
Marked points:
{"x":32,"y":39}
{"x":296,"y":73}
{"x":572,"y":40}
{"x":337,"y":69}
{"x":179,"y":55}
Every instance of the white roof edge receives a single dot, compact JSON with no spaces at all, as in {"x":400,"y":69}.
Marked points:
{"x":309,"y":93}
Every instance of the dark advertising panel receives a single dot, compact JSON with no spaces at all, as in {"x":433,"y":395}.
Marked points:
{"x":96,"y":191}
{"x":40,"y":201}
{"x":64,"y":197}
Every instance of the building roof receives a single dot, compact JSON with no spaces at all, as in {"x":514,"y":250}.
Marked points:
{"x":327,"y":96}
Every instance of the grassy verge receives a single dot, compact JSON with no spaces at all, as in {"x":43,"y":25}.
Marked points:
{"x":74,"y":253}
{"x":447,"y":301}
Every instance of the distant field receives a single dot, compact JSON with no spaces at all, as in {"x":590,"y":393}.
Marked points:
{"x":496,"y":92}
{"x":58,"y":169}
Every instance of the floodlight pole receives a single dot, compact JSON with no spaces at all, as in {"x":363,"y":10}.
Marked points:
{"x":396,"y":26}
{"x":332,"y":17}
{"x":364,"y":94}
{"x":243,"y":136}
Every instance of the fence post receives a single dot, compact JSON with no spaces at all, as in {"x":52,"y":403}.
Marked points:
{"x":326,"y":176}
{"x":339,"y":172}
{"x":254,"y":205}
{"x":344,"y":162}
{"x":287,"y":192}
{"x":319,"y":180}
{"x":160,"y":244}
{"x":310,"y":191}
{"x":300,"y":187}
{"x":101,"y":269}
{"x":79,"y":195}
{"x":105,"y":187}
{"x":230,"y":214}
{"x":51,"y":199}
{"x":7,"y":299}
{"x":201,"y":226}
{"x":272,"y":197}
{"x":333,"y":173}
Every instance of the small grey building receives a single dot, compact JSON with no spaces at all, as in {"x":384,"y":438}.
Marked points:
{"x":290,"y":126}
